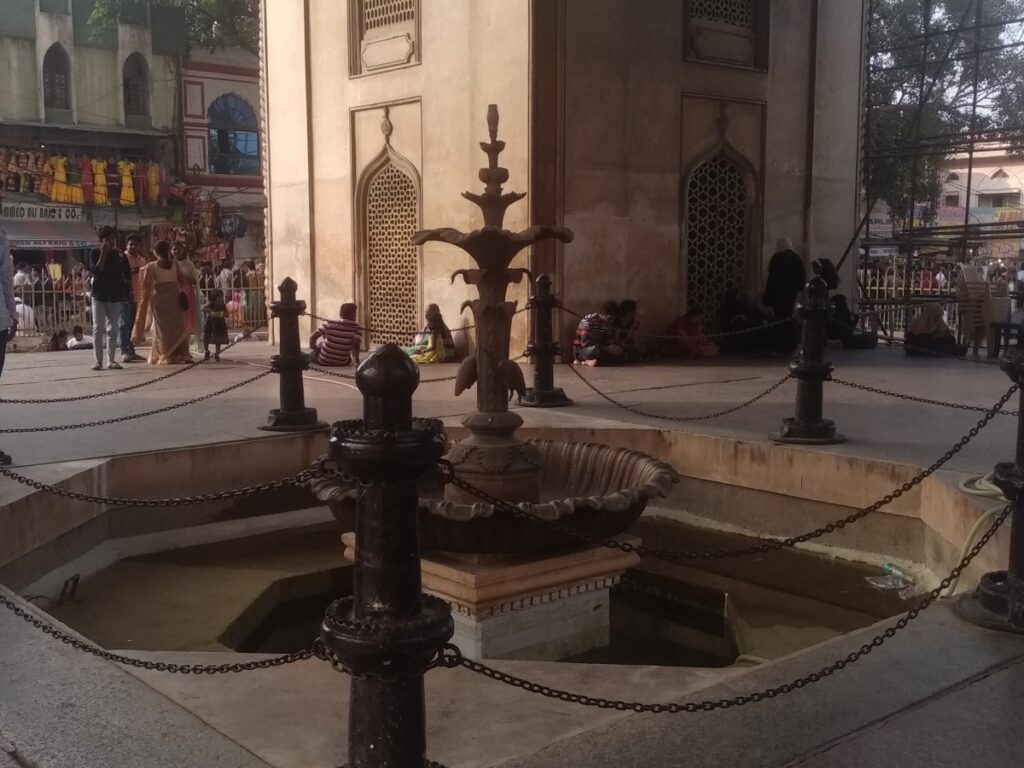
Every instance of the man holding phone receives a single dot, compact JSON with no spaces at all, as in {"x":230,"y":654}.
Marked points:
{"x":111,"y":288}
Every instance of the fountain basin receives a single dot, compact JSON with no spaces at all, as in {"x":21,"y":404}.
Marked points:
{"x":593,"y":488}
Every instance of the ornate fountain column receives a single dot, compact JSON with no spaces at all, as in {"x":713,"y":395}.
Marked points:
{"x":492,"y":457}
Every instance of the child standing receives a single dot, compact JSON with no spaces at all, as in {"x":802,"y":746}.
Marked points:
{"x":215,"y":329}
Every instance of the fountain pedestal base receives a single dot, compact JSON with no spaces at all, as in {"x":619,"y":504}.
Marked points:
{"x":508,"y":607}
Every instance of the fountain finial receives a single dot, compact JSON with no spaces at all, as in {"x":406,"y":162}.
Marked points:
{"x":387,"y":380}
{"x":493,"y":201}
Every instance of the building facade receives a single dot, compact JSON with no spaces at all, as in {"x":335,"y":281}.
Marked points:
{"x":678,"y":140}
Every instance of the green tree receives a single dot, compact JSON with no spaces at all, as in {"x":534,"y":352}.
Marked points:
{"x":922,"y":91}
{"x":210,"y":24}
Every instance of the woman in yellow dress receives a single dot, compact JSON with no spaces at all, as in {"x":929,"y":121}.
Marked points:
{"x":99,"y":182}
{"x":45,"y":183}
{"x":127,"y":169}
{"x":61,"y":193}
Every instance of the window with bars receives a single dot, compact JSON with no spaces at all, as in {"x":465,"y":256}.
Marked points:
{"x":234,"y":142}
{"x":56,"y":78}
{"x":136,"y":85}
{"x":383,"y":34}
{"x":727,"y":32}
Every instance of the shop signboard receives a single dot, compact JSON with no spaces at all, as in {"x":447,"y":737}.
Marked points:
{"x":22,"y":211}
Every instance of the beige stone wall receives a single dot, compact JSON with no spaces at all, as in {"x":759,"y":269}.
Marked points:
{"x":638,"y":117}
{"x":473,"y":53}
{"x":18,"y":60}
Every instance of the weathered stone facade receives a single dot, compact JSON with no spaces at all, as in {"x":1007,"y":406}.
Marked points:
{"x":678,"y":140}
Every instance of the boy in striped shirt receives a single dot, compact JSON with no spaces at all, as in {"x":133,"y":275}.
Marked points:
{"x":336,"y":342}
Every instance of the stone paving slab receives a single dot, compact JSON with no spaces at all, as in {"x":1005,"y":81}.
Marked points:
{"x":881,"y":701}
{"x":877,"y":426}
{"x":60,"y":708}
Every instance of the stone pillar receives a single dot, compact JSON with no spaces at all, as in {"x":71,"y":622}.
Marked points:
{"x":542,"y":350}
{"x":998,"y":602}
{"x":810,"y":369}
{"x":388,"y":631}
{"x":292,"y":415}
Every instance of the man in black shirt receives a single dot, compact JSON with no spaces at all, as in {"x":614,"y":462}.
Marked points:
{"x":111,"y":288}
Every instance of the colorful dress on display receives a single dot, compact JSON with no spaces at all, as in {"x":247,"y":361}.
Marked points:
{"x":74,"y":172}
{"x":85,"y":167}
{"x":61,"y":191}
{"x":113,"y":182}
{"x":153,"y":173}
{"x":45,"y":178}
{"x":99,"y":189}
{"x":127,"y":185}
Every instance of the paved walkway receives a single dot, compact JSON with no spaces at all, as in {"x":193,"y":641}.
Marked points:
{"x":877,"y":426}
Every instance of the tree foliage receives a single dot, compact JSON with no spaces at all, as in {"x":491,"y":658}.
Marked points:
{"x":922,"y":91}
{"x":210,"y":24}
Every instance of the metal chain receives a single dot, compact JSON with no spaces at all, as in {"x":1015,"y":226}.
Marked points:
{"x":915,"y":399}
{"x":317,"y":651}
{"x":351,"y":377}
{"x":448,"y":476}
{"x":121,"y":390}
{"x":130,"y":417}
{"x":178,"y":501}
{"x":705,"y":417}
{"x":452,"y":657}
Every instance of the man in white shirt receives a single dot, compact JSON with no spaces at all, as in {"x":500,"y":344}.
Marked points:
{"x":22,"y":276}
{"x":8,"y":310}
{"x":225,"y":280}
{"x":79,"y":340}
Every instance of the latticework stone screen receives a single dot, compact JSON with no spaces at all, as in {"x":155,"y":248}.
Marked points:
{"x":735,"y":13}
{"x":384,"y":13}
{"x":391,"y":260}
{"x":716,"y":235}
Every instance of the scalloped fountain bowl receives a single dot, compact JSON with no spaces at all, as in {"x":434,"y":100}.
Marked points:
{"x":593,"y":488}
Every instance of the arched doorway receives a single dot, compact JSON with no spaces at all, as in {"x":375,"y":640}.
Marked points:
{"x":717,"y":227}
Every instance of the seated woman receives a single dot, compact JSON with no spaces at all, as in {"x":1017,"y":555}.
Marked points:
{"x":689,"y":340}
{"x":929,"y":336}
{"x":740,"y":313}
{"x":434,"y":344}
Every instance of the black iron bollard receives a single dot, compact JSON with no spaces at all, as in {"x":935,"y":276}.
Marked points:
{"x":542,"y":350}
{"x":810,"y":370}
{"x":387,"y":633}
{"x":293,"y":415}
{"x":998,"y":601}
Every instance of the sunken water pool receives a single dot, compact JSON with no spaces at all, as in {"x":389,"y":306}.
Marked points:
{"x":267,"y":594}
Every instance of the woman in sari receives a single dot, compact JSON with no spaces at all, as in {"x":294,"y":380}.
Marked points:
{"x":163,"y":289}
{"x":188,"y":269}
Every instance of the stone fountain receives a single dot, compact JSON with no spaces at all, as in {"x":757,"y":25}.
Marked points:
{"x":517,"y":588}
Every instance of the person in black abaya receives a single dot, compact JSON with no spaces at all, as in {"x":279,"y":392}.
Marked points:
{"x":786,"y":278}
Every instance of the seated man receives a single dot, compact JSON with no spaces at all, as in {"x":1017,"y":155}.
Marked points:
{"x":594,"y":344}
{"x":336,"y":342}
{"x":78,"y":339}
{"x":929,"y":336}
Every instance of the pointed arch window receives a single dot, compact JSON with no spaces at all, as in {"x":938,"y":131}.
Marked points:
{"x":56,"y":78}
{"x":717,"y":227}
{"x":136,"y":85}
{"x":233,"y":136}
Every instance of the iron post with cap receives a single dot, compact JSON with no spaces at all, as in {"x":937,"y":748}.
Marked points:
{"x":289,"y":363}
{"x":998,"y":601}
{"x":543,"y":348}
{"x":810,"y":369}
{"x":388,"y":632}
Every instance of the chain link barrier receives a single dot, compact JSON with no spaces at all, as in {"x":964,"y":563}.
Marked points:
{"x":448,"y":476}
{"x":647,"y":414}
{"x":916,"y":399}
{"x":133,"y":416}
{"x":318,"y":651}
{"x":118,"y":391}
{"x":452,"y":657}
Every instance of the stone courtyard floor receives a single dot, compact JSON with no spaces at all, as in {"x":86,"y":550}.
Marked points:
{"x":942,"y":693}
